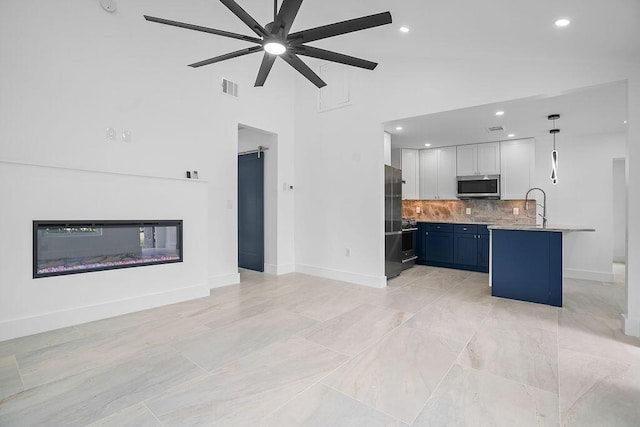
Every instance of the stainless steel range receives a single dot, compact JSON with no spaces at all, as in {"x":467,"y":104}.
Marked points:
{"x":409,"y":229}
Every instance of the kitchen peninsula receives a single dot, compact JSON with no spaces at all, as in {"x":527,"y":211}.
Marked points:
{"x":526,"y":262}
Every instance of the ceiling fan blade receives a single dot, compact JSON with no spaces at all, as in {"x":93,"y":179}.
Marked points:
{"x":245,"y":17}
{"x":288,"y":11}
{"x":202,"y":29}
{"x":265,"y":68}
{"x":338,"y":28}
{"x":303,"y":69}
{"x":328,"y":55}
{"x":235,"y":54}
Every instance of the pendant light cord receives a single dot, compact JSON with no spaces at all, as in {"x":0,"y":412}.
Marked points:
{"x":275,"y":10}
{"x":554,"y":135}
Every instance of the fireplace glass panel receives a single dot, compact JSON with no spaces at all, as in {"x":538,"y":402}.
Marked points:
{"x":65,"y":247}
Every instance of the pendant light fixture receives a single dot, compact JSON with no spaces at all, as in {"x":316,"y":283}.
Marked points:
{"x":554,"y":153}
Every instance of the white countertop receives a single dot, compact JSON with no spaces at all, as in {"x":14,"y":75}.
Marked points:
{"x":539,"y":227}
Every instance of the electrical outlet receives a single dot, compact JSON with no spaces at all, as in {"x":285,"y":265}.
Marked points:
{"x":516,"y":211}
{"x":418,"y":209}
{"x":468,"y":211}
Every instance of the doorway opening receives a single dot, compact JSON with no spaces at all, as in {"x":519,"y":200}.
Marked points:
{"x":257,"y":199}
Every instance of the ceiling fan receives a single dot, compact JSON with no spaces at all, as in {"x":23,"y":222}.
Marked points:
{"x":276,"y":40}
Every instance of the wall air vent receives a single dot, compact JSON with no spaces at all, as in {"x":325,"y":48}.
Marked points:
{"x":229,"y":87}
{"x":495,"y":129}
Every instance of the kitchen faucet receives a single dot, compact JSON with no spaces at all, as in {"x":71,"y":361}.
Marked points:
{"x":543,"y":205}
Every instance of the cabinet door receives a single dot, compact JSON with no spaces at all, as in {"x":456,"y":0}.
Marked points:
{"x":421,"y":242}
{"x":410,"y":165}
{"x":483,"y":252}
{"x":466,"y":249}
{"x":466,"y":162}
{"x":428,"y":174}
{"x":439,"y":247}
{"x":518,"y":168}
{"x":488,"y":158}
{"x":447,"y":183}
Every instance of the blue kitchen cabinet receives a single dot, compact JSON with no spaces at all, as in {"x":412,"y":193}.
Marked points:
{"x":483,"y":248}
{"x":465,"y":244}
{"x":461,"y":246}
{"x":527,"y":266}
{"x":439,"y":247}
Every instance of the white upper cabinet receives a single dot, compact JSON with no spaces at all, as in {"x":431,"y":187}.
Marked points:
{"x":478,"y":159}
{"x":489,"y":158}
{"x":429,"y":174}
{"x":518,"y":168}
{"x":410,"y":173}
{"x":438,"y":173}
{"x":467,"y":159}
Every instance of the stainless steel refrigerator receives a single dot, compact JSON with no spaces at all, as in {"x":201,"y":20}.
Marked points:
{"x":392,"y":221}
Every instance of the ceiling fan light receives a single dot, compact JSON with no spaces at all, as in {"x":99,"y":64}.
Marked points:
{"x":275,"y":48}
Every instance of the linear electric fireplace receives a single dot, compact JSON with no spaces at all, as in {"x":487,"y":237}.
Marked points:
{"x":69,"y":247}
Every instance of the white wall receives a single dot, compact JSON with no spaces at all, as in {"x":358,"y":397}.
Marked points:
{"x":30,"y":193}
{"x":70,"y":70}
{"x":632,"y":315}
{"x":619,"y":197}
{"x":582,"y":197}
{"x":339,"y":154}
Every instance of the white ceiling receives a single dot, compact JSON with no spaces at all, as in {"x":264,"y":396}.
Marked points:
{"x":593,"y":110}
{"x":446,"y":29}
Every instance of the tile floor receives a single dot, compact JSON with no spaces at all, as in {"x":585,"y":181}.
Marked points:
{"x":434,"y":348}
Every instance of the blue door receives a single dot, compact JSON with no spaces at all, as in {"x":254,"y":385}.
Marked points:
{"x":251,"y":211}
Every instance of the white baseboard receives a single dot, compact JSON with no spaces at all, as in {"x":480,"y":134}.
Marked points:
{"x":631,"y":326}
{"x":345,"y":276}
{"x":14,"y":328}
{"x":598,"y":276}
{"x":279,"y":269}
{"x":223,"y":280}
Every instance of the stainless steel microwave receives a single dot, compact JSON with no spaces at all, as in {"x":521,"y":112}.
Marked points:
{"x":479,"y":187}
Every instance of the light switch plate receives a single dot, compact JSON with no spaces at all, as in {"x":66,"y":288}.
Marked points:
{"x":468,"y":211}
{"x":516,"y":211}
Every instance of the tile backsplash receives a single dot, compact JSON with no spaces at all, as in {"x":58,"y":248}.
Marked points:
{"x":491,"y":211}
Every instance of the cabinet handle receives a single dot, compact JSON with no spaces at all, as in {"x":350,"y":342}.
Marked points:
{"x":426,"y":233}
{"x":465,"y":228}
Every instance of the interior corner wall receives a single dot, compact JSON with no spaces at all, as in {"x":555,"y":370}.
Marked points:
{"x":619,"y":200}
{"x":632,"y":313}
{"x":583,"y":196}
{"x":71,"y":70}
{"x":339,"y":153}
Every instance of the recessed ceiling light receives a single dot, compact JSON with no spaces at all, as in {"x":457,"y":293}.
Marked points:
{"x":427,"y":145}
{"x":625,"y":122}
{"x":399,"y":128}
{"x":404,"y":29}
{"x":499,"y":113}
{"x":511,"y":135}
{"x":563,"y":22}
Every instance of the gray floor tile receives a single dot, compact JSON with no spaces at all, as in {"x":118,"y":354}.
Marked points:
{"x":454,"y":319}
{"x":135,"y":416}
{"x":92,"y":395}
{"x":320,"y":406}
{"x":397,"y":375}
{"x":10,"y":382}
{"x":526,"y":355}
{"x":245,"y":392}
{"x":468,"y":397}
{"x":357,"y":329}
{"x":214,"y":349}
{"x":598,"y":392}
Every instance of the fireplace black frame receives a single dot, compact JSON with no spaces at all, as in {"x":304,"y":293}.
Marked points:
{"x":40,"y":224}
